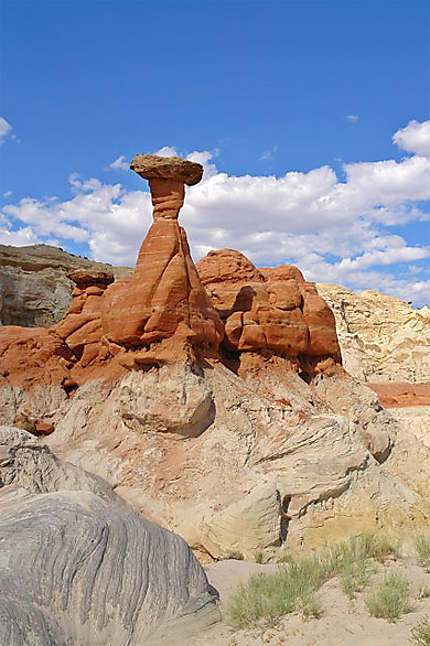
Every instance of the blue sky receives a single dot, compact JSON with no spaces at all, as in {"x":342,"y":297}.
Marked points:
{"x":292,"y":107}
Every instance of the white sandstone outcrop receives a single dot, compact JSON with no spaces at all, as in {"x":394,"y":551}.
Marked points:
{"x":382,"y":338}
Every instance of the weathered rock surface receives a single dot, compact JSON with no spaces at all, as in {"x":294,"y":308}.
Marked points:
{"x":270,"y":310}
{"x":29,"y":463}
{"x":382,"y":338}
{"x":75,"y":570}
{"x":79,"y":567}
{"x":168,"y":168}
{"x":242,"y":465}
{"x":35,"y":289}
{"x":399,"y":395}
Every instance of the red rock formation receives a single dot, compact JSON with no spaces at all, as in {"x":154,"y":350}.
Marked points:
{"x":401,"y":395}
{"x":271,"y":311}
{"x":159,"y":315}
{"x":165,"y":296}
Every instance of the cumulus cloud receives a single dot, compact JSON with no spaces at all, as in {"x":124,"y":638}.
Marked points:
{"x":120,"y":163}
{"x":415,"y":137}
{"x":352,"y":117}
{"x":335,"y":231}
{"x":5,"y":130}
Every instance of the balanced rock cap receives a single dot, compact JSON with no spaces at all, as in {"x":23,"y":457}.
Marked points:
{"x":155,"y":167}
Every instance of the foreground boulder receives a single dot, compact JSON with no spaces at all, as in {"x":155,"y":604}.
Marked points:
{"x":79,"y":567}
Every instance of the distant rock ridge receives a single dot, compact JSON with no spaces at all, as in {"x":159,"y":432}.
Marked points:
{"x":35,"y":285}
{"x":383,"y":338}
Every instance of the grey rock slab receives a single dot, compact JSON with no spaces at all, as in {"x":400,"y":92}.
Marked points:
{"x":75,"y":570}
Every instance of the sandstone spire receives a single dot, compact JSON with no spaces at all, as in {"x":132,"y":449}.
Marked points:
{"x":165,"y":296}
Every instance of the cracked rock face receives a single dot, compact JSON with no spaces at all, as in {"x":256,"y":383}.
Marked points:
{"x":383,"y":338}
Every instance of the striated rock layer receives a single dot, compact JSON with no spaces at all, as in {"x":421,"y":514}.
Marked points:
{"x":79,"y":567}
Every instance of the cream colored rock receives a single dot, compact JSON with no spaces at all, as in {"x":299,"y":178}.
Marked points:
{"x":200,"y":466}
{"x":416,"y":419}
{"x":382,"y":338}
{"x":245,"y":528}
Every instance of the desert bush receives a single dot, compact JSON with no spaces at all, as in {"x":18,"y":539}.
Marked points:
{"x":294,"y":586}
{"x":420,"y":634}
{"x":390,"y":599}
{"x":422,"y":546}
{"x":259,"y":557}
{"x":354,"y":577}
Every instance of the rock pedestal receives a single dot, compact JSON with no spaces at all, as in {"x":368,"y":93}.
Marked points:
{"x":165,"y":296}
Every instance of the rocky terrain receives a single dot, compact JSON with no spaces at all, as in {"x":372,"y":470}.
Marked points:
{"x":35,"y":289}
{"x":79,"y":566}
{"x":383,"y":338}
{"x":212,"y":400}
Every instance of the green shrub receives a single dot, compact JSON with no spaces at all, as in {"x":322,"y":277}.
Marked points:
{"x":420,"y":634}
{"x":293,"y":587}
{"x":390,"y":599}
{"x":354,"y":577}
{"x":422,"y":546}
{"x":259,"y":557}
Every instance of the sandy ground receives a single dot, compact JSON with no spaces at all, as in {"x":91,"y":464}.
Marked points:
{"x":343,"y":622}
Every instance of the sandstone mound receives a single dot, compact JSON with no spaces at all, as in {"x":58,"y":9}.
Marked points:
{"x":75,"y":570}
{"x":79,"y":567}
{"x":270,"y":310}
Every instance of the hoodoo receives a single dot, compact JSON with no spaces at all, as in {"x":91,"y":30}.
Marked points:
{"x":159,"y":315}
{"x":165,"y":296}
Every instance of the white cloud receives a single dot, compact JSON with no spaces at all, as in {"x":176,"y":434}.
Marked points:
{"x":7,"y":194}
{"x":120,"y":163}
{"x":335,"y":231}
{"x":415,"y":137}
{"x":352,"y":117}
{"x":268,"y":154}
{"x":5,"y":130}
{"x":166,"y":151}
